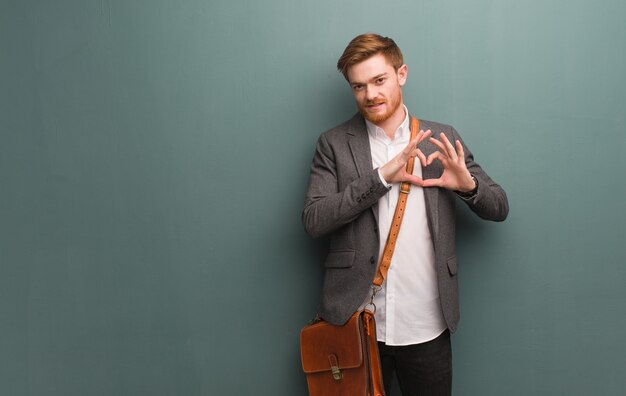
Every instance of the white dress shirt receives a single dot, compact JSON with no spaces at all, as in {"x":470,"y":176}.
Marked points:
{"x":408,"y":310}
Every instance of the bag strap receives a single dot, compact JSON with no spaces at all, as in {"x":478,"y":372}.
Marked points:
{"x":394,"y":230}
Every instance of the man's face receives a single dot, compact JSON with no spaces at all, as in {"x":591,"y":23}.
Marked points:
{"x":376,"y":86}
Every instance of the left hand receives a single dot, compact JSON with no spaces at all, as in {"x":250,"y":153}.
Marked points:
{"x":455,"y":174}
{"x":394,"y":171}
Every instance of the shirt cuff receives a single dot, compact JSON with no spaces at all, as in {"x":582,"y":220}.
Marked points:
{"x":382,"y":180}
{"x":469,"y":194}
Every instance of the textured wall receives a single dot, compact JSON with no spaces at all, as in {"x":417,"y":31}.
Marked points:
{"x":154,"y":158}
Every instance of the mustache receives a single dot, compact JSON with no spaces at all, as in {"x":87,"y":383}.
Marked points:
{"x":375,"y":102}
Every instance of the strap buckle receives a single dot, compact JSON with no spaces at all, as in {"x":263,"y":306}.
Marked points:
{"x":375,"y":289}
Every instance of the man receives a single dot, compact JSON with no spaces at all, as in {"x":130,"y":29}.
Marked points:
{"x":352,"y":194}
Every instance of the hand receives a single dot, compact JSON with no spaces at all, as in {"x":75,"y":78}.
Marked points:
{"x":455,"y":174}
{"x":394,"y":171}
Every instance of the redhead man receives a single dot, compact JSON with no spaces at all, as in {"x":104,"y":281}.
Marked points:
{"x":353,"y":189}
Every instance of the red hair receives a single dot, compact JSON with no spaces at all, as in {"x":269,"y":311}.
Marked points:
{"x":365,"y":46}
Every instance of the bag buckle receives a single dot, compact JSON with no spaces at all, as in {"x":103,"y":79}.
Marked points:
{"x":334,"y":367}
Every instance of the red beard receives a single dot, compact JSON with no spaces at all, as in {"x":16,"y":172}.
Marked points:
{"x":376,"y":118}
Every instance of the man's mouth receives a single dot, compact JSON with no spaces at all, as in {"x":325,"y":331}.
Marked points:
{"x":375,"y":106}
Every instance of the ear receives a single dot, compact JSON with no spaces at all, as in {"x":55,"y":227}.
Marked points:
{"x":403,"y":72}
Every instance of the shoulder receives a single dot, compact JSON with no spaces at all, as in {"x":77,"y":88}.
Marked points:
{"x":436,"y":127}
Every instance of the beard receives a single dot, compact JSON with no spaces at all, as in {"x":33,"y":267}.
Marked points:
{"x":377,"y":118}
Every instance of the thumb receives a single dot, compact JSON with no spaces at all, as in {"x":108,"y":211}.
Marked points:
{"x":432,"y":183}
{"x":415,"y":180}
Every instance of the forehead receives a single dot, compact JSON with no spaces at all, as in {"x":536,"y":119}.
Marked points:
{"x":369,"y":68}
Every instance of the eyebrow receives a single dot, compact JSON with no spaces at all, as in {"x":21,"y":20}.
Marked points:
{"x":371,"y":79}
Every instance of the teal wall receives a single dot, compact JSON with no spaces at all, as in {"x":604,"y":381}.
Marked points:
{"x":154,"y":158}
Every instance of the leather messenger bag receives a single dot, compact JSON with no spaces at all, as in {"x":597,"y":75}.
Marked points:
{"x":344,"y":360}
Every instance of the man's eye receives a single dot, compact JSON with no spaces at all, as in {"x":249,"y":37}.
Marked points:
{"x":380,"y":81}
{"x":357,"y":87}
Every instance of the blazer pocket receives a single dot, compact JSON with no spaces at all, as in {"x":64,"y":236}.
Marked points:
{"x":452,"y":266}
{"x":340,"y":259}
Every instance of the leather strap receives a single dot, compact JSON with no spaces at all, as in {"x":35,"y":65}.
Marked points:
{"x":394,"y":230}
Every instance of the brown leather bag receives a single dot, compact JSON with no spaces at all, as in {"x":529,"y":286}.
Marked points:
{"x":344,"y":360}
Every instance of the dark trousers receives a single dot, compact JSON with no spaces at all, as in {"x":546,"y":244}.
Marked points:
{"x":422,"y":369}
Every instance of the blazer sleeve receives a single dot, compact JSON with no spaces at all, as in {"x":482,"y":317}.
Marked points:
{"x":490,"y":201}
{"x":336,"y":194}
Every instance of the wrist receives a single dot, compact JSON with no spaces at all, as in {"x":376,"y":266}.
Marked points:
{"x":384,"y":173}
{"x":382,"y":179}
{"x":471,"y":190}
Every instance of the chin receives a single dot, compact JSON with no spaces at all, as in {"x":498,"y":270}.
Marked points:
{"x":376,"y":118}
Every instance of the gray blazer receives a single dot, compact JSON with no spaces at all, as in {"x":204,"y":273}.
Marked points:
{"x":341,"y":202}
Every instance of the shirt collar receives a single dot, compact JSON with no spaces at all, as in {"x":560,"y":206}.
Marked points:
{"x":377,"y":132}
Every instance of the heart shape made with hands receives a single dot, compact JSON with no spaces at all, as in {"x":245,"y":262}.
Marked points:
{"x":455,"y":175}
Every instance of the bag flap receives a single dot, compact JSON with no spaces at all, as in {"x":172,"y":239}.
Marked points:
{"x":322,"y":342}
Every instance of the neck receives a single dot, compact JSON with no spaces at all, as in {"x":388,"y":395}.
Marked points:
{"x":390,"y":125}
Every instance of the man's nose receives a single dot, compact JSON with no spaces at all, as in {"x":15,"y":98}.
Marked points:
{"x":371,"y":92}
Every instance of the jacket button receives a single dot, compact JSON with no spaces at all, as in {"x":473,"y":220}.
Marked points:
{"x":372,"y":260}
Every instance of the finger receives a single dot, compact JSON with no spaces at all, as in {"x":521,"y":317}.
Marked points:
{"x":411,"y":146}
{"x":422,"y":158}
{"x":421,"y":136}
{"x":406,"y":153}
{"x":439,"y":145}
{"x":432,"y":183}
{"x":415,"y":180}
{"x":449,"y":148}
{"x":437,"y":155}
{"x":459,"y":149}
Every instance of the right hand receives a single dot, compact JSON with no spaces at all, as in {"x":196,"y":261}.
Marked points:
{"x":394,"y":171}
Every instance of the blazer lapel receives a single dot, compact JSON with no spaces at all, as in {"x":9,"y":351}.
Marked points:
{"x":359,"y":143}
{"x":360,"y":146}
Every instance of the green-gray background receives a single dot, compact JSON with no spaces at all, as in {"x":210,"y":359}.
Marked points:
{"x":154,"y":158}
